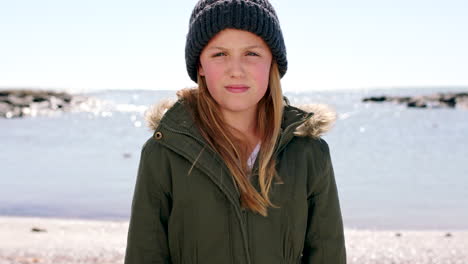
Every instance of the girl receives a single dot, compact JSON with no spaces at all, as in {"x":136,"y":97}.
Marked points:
{"x":233,"y":173}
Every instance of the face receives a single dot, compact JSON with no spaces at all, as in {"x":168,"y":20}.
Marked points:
{"x":236,"y":66}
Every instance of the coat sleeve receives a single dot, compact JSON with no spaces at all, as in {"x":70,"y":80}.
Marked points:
{"x":147,"y":240}
{"x":324,"y":240}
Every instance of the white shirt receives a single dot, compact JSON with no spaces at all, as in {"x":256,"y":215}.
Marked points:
{"x":253,"y":156}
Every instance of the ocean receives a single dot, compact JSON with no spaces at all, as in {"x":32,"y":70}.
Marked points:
{"x":396,"y":167}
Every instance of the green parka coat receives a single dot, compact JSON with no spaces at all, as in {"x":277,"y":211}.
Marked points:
{"x":187,"y":212}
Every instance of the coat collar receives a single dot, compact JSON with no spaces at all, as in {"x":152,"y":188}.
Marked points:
{"x":312,"y":120}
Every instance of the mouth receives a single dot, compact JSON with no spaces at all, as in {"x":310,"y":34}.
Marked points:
{"x":237,"y":88}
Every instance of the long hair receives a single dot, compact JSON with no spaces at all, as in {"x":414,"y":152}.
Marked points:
{"x":233,"y":147}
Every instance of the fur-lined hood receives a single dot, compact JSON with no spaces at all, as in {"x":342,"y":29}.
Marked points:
{"x":322,"y":119}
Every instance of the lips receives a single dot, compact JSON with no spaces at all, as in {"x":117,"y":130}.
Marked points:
{"x":237,"y":88}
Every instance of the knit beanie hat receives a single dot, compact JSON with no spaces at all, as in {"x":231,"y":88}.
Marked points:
{"x":211,"y":16}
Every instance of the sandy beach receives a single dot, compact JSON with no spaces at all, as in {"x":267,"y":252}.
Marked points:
{"x":82,"y":241}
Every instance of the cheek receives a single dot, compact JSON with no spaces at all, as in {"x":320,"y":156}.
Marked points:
{"x":261,"y":75}
{"x":213,"y":76}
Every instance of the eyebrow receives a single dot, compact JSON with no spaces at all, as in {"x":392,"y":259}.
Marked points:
{"x":248,"y":47}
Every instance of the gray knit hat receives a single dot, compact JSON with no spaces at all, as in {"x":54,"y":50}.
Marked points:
{"x":211,"y":16}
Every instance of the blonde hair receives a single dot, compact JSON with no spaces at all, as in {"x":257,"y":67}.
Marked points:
{"x":234,"y":150}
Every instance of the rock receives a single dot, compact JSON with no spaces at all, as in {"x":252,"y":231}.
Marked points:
{"x":37,"y":229}
{"x":402,"y":100}
{"x":4,"y":107}
{"x":376,"y":99}
{"x":417,"y":102}
{"x":19,"y":103}
{"x":439,"y":100}
{"x":462,"y":101}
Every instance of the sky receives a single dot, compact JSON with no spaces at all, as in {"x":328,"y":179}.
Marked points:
{"x":334,"y":44}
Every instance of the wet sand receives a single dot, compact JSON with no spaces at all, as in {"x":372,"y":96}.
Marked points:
{"x":81,"y":241}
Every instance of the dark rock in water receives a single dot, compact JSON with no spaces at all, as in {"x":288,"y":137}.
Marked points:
{"x":417,"y":102}
{"x":439,"y":100}
{"x":19,"y":103}
{"x":37,"y":229}
{"x":376,"y":99}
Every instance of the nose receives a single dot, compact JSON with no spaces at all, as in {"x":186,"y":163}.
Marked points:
{"x":236,"y":68}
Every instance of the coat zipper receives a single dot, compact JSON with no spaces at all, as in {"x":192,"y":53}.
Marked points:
{"x":249,"y":244}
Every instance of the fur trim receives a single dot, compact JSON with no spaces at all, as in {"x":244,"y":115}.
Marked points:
{"x":155,"y":113}
{"x":321,"y":122}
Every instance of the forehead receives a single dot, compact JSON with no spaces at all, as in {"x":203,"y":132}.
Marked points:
{"x":236,"y":38}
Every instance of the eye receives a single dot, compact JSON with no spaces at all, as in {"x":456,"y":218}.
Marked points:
{"x":252,"y":54}
{"x":219,"y":54}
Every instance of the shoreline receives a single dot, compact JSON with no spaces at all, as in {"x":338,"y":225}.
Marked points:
{"x":72,"y":241}
{"x":123,"y":221}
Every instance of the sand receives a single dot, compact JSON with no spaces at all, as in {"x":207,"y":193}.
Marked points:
{"x":103,"y":242}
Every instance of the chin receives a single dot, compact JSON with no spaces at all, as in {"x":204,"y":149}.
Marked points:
{"x":238,"y":107}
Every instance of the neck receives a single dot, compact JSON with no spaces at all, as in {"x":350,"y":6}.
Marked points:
{"x":244,"y":122}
